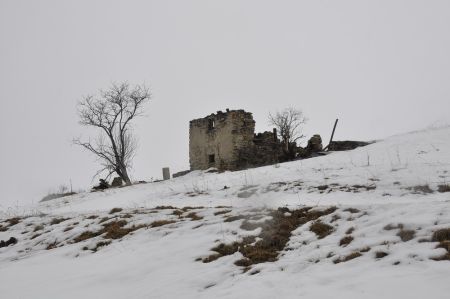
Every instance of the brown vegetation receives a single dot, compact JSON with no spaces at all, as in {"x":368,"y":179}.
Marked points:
{"x":115,"y":210}
{"x":345,"y":241}
{"x":406,"y":234}
{"x":321,"y":229}
{"x":443,"y":237}
{"x":347,"y":258}
{"x":274,"y":236}
{"x":444,"y":188}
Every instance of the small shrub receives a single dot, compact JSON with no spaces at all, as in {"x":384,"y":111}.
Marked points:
{"x":345,"y":241}
{"x":115,"y":210}
{"x":350,"y":231}
{"x":321,"y":229}
{"x":92,"y":217}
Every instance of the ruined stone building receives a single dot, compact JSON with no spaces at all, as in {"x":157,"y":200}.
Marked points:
{"x":227,"y":141}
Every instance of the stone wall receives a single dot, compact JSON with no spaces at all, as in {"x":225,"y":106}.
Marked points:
{"x":215,"y":141}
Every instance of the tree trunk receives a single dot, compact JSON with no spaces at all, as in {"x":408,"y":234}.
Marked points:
{"x":125,"y":176}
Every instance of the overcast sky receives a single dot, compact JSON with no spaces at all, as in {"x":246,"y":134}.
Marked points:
{"x":381,"y":67}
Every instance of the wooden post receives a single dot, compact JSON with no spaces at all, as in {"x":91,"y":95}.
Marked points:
{"x":332,"y":134}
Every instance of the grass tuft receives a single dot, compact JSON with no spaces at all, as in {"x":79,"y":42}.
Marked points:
{"x":444,"y":188}
{"x":406,"y":234}
{"x":345,"y":241}
{"x":115,"y":210}
{"x":321,"y":229}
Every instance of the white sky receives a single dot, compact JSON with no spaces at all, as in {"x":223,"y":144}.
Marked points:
{"x":381,"y":67}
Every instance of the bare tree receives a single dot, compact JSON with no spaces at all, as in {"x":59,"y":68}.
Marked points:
{"x":113,"y":113}
{"x":289,"y":124}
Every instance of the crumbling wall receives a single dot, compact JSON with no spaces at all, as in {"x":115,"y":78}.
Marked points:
{"x":265,"y":150}
{"x":215,"y":141}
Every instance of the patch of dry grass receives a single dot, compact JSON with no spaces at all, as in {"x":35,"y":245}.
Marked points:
{"x":222,"y":212}
{"x":193,"y":216}
{"x":321,"y":229}
{"x":444,"y":188}
{"x":443,"y":237}
{"x":345,"y":241}
{"x":352,"y":210}
{"x":380,"y":254}
{"x":115,"y":210}
{"x":275,"y":234}
{"x":406,"y":234}
{"x":347,"y":258}
{"x":58,"y":220}
{"x":420,"y":189}
{"x":159,"y":223}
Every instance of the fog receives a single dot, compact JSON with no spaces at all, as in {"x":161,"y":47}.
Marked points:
{"x":381,"y":67}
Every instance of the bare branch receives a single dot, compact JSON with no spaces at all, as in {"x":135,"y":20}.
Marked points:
{"x":113,"y":113}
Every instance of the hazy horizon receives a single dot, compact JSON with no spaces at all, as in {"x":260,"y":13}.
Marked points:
{"x":381,"y":67}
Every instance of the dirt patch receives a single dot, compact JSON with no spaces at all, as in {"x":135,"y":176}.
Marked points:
{"x":92,"y":217}
{"x":350,"y":231}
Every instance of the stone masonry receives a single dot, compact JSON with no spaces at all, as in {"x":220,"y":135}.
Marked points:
{"x":227,"y":141}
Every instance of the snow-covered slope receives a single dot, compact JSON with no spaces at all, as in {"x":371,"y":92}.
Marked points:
{"x":387,"y":203}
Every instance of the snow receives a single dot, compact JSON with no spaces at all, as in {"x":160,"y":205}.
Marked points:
{"x":160,"y":262}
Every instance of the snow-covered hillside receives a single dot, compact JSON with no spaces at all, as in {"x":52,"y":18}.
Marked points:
{"x":368,"y":223}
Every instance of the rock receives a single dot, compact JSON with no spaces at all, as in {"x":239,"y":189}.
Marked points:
{"x":11,"y":241}
{"x":314,"y":144}
{"x":117,"y":182}
{"x":102,"y":185}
